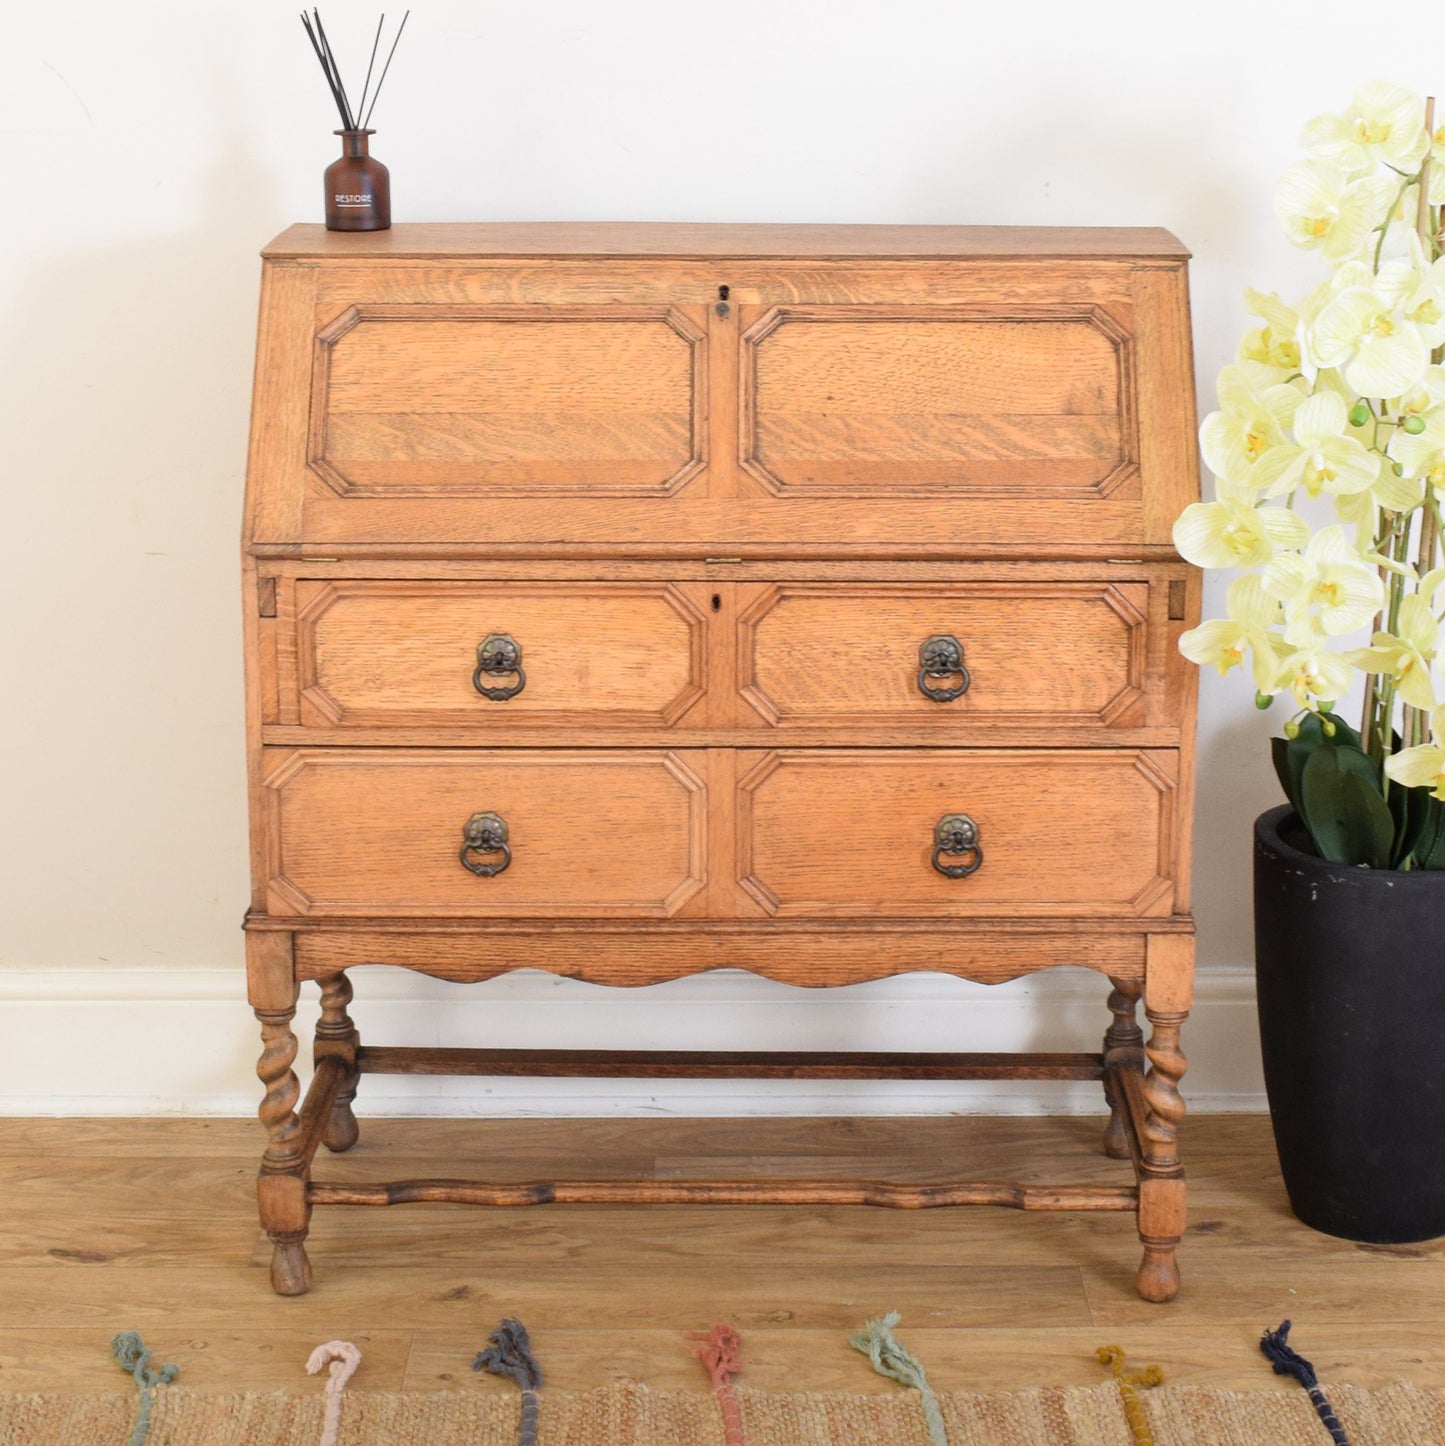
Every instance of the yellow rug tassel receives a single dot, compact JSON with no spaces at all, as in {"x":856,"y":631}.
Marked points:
{"x":1133,"y":1406}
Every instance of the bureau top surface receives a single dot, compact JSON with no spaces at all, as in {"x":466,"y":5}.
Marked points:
{"x":422,"y":240}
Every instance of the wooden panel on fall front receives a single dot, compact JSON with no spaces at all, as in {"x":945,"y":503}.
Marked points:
{"x":399,"y":654}
{"x":851,"y":833}
{"x":932,"y":402}
{"x":491,"y":402}
{"x":361,"y":832}
{"x":818,"y":654}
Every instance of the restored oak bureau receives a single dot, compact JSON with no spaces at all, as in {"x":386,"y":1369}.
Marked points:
{"x":632,"y":601}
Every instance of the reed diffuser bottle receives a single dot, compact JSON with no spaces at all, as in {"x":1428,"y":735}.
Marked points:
{"x":358,"y":186}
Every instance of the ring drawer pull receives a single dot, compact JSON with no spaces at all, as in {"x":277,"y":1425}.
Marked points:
{"x":939,"y":657}
{"x":486,"y":833}
{"x":957,"y":835}
{"x":497,"y":655}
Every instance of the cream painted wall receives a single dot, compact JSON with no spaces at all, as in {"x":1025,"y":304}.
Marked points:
{"x":150,"y":149}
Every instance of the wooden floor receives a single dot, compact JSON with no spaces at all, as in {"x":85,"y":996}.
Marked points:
{"x":150,"y":1224}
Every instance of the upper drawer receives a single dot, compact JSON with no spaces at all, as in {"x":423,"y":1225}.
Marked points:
{"x":925,"y":409}
{"x":486,"y":655}
{"x":952,"y":657}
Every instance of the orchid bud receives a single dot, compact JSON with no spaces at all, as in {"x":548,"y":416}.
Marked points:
{"x":1414,"y":424}
{"x":1263,"y":700}
{"x":1327,"y":727}
{"x":1359,"y":415}
{"x":1291,"y":729}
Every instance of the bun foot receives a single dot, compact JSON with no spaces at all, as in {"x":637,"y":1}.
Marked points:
{"x":342,"y":1131}
{"x":1158,"y":1278}
{"x":290,"y":1268}
{"x":1116,"y":1138}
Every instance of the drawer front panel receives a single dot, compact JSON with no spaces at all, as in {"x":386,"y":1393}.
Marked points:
{"x":939,"y":402}
{"x":1080,"y":832}
{"x":587,"y":655}
{"x":356,"y":832}
{"x":510,"y":401}
{"x":814,"y":654}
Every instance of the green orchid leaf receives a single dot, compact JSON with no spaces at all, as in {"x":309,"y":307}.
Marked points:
{"x":1345,"y":812}
{"x":1430,"y":850}
{"x":1297,"y":751}
{"x":1279,"y":752}
{"x":1344,"y":735}
{"x":1417,"y":818}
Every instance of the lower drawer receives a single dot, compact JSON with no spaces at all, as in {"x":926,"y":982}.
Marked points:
{"x":369,"y":833}
{"x":794,"y":833}
{"x":1087,"y":833}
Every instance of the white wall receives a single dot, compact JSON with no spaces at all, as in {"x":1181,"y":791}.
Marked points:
{"x":148,"y":150}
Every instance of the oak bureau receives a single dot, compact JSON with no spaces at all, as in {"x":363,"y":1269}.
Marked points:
{"x":628,"y":601}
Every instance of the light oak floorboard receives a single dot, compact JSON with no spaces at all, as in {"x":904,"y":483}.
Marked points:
{"x":150,"y":1224}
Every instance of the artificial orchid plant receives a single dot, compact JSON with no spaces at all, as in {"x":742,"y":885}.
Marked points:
{"x":1341,"y":398}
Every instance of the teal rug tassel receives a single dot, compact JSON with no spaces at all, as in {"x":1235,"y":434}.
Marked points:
{"x":135,"y":1360}
{"x":509,"y":1353}
{"x":890,"y":1359}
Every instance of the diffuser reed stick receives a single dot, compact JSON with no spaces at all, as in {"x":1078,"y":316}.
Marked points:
{"x":360,"y":118}
{"x":358,"y":187}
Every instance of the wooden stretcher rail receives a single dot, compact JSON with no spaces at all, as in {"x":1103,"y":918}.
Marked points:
{"x":726,"y":1064}
{"x":727,"y":1192}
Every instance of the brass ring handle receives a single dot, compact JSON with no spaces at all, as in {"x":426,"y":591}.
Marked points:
{"x":486,"y":833}
{"x":939,"y":657}
{"x":957,"y":836}
{"x":497,"y":655}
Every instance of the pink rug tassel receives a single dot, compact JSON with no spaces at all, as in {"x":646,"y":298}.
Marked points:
{"x":720,"y":1353}
{"x":343,"y":1358}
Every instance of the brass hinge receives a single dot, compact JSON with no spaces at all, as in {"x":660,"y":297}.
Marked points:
{"x":722,"y":559}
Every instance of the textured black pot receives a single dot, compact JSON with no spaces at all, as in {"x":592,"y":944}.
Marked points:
{"x":1350,"y":969}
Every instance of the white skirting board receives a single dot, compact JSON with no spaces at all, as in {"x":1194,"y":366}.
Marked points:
{"x":96,"y":1041}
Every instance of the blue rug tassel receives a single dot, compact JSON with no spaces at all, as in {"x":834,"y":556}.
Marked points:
{"x":1288,"y":1362}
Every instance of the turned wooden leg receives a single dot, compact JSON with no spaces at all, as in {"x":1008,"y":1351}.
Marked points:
{"x":336,"y":1036}
{"x":1123,"y":1045}
{"x":1167,"y":996}
{"x":285,"y":1167}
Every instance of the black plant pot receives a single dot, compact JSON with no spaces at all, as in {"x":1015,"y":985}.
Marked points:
{"x":1350,"y":970}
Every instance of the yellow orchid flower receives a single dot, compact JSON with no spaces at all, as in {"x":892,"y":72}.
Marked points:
{"x":1365,"y":332}
{"x":1405,"y":655}
{"x":1421,"y":400}
{"x":1322,"y":458}
{"x":1327,"y":590}
{"x":1222,"y":642}
{"x":1255,"y":410}
{"x":1424,"y":765}
{"x":1313,"y":676}
{"x":1423,"y":455}
{"x":1437,"y":167}
{"x":1321,"y":209}
{"x":1385,"y":124}
{"x":1274,"y":345}
{"x":1232,"y":533}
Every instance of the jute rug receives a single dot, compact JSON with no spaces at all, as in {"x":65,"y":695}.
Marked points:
{"x":629,"y":1414}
